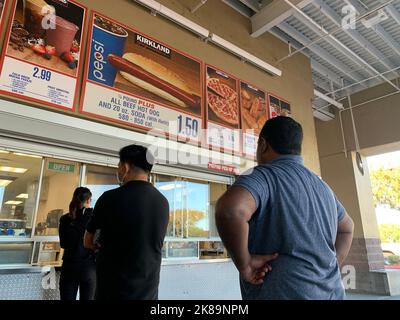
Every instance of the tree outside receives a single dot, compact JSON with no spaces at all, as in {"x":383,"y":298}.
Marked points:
{"x":386,"y":191}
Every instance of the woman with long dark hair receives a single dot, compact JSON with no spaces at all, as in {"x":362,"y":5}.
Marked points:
{"x":78,"y":268}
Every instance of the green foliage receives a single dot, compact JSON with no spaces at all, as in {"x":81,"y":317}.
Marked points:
{"x":386,"y":187}
{"x":389,"y":233}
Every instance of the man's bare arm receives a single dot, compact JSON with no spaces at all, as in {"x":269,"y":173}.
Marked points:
{"x":233,"y":212}
{"x":344,"y":238}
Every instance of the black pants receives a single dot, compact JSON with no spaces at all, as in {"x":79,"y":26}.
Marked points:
{"x":78,"y":275}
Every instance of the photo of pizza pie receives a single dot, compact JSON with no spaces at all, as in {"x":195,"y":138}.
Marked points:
{"x":223,"y":101}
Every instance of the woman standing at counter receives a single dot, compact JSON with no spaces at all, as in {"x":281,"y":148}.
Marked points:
{"x":78,"y":268}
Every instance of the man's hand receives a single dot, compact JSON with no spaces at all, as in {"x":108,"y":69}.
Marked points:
{"x":257,"y":267}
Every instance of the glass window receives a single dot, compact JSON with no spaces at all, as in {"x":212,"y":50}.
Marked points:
{"x":189,"y":202}
{"x":19,"y":181}
{"x":182,"y":249}
{"x":99,"y":180}
{"x":15,"y":252}
{"x":60,"y":179}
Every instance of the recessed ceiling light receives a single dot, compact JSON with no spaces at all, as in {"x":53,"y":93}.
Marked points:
{"x":12,"y":202}
{"x":22,"y":196}
{"x":13,"y":170}
{"x":5,"y":183}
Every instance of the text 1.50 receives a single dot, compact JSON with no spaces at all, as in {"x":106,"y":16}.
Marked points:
{"x":188,"y":126}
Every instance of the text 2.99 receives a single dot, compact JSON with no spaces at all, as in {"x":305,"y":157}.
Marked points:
{"x":42,"y":74}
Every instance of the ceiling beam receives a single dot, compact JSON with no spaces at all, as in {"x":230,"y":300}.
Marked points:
{"x":252,"y":4}
{"x":315,"y":65}
{"x":325,"y":55}
{"x":273,"y":14}
{"x":355,"y":35}
{"x":393,"y":12}
{"x":239,"y":7}
{"x":330,"y":39}
{"x":389,"y":40}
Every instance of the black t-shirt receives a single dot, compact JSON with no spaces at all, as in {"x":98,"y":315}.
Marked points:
{"x":133,"y":221}
{"x":71,"y":232}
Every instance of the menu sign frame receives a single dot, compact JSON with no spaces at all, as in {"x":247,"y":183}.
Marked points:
{"x":217,"y":123}
{"x":56,"y":85}
{"x":129,"y":99}
{"x":275,"y":110}
{"x":4,"y":5}
{"x":254,"y":112}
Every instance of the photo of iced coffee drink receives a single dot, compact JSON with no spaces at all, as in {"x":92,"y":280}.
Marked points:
{"x":47,"y":33}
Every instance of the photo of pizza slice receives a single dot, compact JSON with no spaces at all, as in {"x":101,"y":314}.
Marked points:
{"x":223,"y":101}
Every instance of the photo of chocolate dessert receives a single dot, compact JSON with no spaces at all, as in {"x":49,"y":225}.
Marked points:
{"x":47,"y":33}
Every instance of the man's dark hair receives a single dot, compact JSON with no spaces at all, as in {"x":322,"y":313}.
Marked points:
{"x":137,"y":156}
{"x":284,"y":135}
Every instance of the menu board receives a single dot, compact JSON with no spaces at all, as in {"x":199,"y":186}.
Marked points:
{"x":254,"y":114}
{"x":135,"y":80}
{"x":41,"y":58}
{"x":223,"y":120}
{"x":278,"y":107}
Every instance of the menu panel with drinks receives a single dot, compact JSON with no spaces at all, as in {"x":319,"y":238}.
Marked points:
{"x":278,"y":107}
{"x":135,"y":80}
{"x":222,"y":105}
{"x":254,"y":114}
{"x":42,"y":54}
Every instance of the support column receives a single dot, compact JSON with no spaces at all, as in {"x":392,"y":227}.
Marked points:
{"x":354,"y":191}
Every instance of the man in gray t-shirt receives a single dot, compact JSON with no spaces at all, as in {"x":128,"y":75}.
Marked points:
{"x":285,"y":229}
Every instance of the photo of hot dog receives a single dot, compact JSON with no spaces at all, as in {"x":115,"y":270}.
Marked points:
{"x":135,"y":64}
{"x":153,"y":77}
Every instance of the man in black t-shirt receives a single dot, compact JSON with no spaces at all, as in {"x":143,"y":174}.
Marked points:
{"x":133,"y":222}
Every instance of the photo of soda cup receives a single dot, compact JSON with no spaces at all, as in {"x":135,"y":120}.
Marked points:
{"x":108,"y":38}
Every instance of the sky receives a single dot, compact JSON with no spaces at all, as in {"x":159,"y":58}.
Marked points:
{"x":387,"y":161}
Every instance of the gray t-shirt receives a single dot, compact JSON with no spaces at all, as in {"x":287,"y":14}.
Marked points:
{"x":297,"y":216}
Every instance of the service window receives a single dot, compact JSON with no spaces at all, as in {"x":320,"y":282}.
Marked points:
{"x":60,"y":178}
{"x":192,"y":232}
{"x":19,"y":182}
{"x":99,"y":180}
{"x":15,"y":252}
{"x":189,"y":206}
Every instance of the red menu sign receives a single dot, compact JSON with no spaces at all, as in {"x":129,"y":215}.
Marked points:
{"x":136,"y":80}
{"x":42,"y":53}
{"x":222,"y":105}
{"x":254,"y":114}
{"x":278,"y":107}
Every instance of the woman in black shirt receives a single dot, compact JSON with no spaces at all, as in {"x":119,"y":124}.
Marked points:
{"x":78,"y":268}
